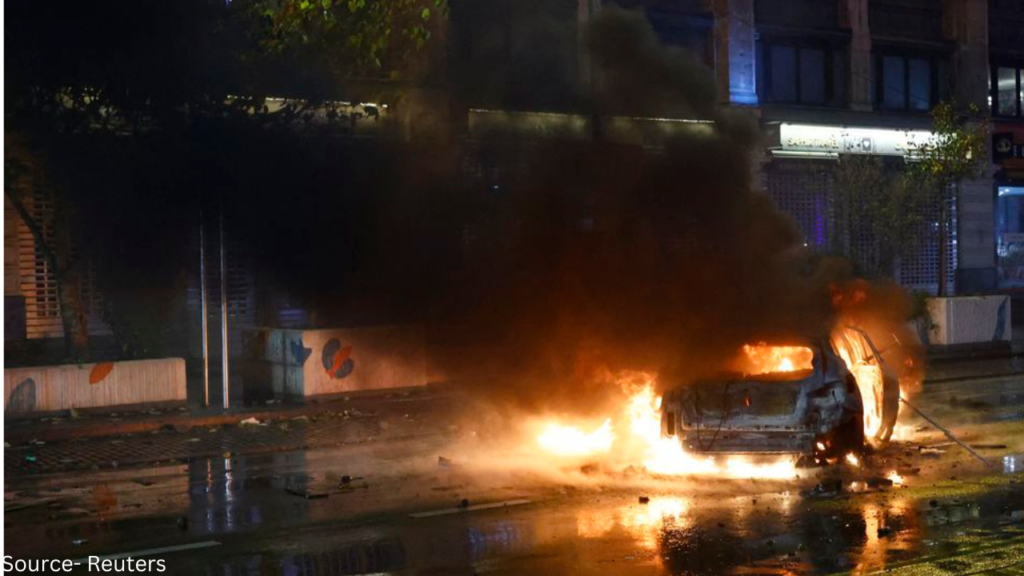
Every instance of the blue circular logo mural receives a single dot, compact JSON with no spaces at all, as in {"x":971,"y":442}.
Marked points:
{"x":337,"y":359}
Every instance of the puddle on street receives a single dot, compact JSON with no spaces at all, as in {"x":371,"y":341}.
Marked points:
{"x":740,"y":526}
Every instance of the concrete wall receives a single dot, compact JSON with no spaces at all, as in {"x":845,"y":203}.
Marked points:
{"x":284,"y":363}
{"x":969,"y":320}
{"x":51,"y":388}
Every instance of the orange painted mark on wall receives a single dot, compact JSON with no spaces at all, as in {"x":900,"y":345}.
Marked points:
{"x":100,"y":371}
{"x":339,"y":358}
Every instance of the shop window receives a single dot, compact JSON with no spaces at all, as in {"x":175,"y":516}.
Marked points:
{"x":795,"y":74}
{"x":1010,"y":235}
{"x":1008,"y":91}
{"x":908,"y":82}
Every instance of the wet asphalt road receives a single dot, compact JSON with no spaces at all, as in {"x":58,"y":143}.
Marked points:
{"x":399,"y":511}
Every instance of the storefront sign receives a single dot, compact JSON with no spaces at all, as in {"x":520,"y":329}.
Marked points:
{"x":1004,"y":148}
{"x":819,"y":139}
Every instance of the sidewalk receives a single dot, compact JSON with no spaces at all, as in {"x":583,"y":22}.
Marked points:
{"x":137,"y":420}
{"x":96,"y":443}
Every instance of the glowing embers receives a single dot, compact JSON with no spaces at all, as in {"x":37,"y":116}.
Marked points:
{"x":764,"y":359}
{"x":566,"y":440}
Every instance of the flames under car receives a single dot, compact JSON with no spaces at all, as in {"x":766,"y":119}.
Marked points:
{"x":824,"y":397}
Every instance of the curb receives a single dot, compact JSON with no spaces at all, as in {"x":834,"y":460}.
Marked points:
{"x":99,"y":426}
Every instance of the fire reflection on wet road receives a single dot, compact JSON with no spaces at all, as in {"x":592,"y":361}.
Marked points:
{"x":256,"y":509}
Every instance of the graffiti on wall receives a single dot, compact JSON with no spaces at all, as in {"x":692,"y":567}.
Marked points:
{"x":337,"y":360}
{"x":299,"y":352}
{"x":100,"y":371}
{"x":23,"y":397}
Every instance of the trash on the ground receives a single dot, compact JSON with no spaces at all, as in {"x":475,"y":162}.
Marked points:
{"x":825,"y":489}
{"x":79,"y":541}
{"x":930,"y":451}
{"x":952,"y":512}
{"x":464,"y":503}
{"x":300,"y":419}
{"x":444,"y":462}
{"x":74,"y":414}
{"x":346,"y":479}
{"x":251,"y":421}
{"x":645,"y":499}
{"x":30,"y":458}
{"x":23,"y":503}
{"x":193,"y":440}
{"x":306,"y":494}
{"x":879,"y":482}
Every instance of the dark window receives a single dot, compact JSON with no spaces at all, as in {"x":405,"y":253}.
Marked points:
{"x":812,"y":76}
{"x":783,"y":73}
{"x":894,"y":89}
{"x":795,"y":74}
{"x":1007,"y":101}
{"x":920,"y":82}
{"x":908,"y":82}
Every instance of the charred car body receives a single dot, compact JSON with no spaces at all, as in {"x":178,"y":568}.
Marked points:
{"x":826,"y":396}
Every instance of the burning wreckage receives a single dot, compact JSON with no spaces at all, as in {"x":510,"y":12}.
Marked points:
{"x":826,"y":397}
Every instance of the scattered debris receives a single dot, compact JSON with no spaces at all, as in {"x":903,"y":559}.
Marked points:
{"x":192,"y":440}
{"x":444,"y":462}
{"x":645,"y":499}
{"x":74,"y":414}
{"x":306,"y":494}
{"x":989,"y":446}
{"x":464,"y":503}
{"x":930,"y":451}
{"x":30,"y":458}
{"x":251,"y":421}
{"x":346,"y":479}
{"x":879,"y":482}
{"x":826,"y":489}
{"x":300,"y":419}
{"x":79,"y":541}
{"x":26,"y":503}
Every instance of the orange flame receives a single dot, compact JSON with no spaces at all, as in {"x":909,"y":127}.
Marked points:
{"x":765,"y":359}
{"x":644,"y":443}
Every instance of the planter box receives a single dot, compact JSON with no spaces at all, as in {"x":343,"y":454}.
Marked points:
{"x":969,"y":320}
{"x":52,"y":388}
{"x":287,"y":363}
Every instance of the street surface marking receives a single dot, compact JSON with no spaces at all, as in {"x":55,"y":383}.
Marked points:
{"x":445,"y":511}
{"x":152,"y":551}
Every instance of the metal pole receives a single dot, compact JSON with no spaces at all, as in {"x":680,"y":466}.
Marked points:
{"x":946,"y":432}
{"x":223,"y":313}
{"x":202,"y":308}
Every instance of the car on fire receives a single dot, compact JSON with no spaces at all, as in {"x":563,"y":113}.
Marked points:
{"x":824,"y":397}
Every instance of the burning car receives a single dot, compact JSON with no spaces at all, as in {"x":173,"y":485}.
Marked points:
{"x":827,"y":396}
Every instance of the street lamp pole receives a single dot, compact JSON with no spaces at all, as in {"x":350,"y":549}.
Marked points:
{"x":223,"y":313}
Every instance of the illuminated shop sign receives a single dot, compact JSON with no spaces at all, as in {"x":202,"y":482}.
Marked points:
{"x":819,"y":140}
